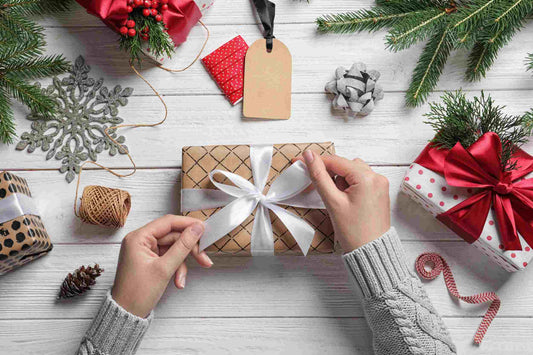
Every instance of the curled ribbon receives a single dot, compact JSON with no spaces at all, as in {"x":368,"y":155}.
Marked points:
{"x":479,"y":167}
{"x":241,"y":199}
{"x":439,"y":265}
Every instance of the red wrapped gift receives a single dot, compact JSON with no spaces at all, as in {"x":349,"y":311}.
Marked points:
{"x":467,"y":190}
{"x":180,"y":16}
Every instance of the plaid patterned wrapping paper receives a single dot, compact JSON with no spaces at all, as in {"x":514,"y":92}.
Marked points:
{"x":200,"y":160}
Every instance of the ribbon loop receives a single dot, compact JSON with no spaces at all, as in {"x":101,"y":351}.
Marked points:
{"x":242,"y":198}
{"x":479,"y":167}
{"x":266,"y":11}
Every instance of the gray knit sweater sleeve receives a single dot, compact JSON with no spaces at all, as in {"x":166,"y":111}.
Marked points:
{"x":398,"y":310}
{"x":114,"y":331}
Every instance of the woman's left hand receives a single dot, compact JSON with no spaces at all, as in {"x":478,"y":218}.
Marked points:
{"x":151,"y":256}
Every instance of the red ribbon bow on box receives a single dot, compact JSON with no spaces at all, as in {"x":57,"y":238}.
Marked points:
{"x":479,"y":167}
{"x":180,"y":17}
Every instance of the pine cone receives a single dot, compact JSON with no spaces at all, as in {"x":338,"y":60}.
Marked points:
{"x":355,"y":89}
{"x":80,"y":281}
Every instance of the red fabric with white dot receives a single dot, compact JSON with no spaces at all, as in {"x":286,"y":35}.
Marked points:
{"x":226,"y":66}
{"x":431,"y":191}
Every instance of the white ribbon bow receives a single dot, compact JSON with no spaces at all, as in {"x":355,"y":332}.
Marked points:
{"x":241,"y":200}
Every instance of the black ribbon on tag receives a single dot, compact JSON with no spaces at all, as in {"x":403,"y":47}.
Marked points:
{"x":266,"y":11}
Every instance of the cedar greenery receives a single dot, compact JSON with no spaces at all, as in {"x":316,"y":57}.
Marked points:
{"x":159,"y":41}
{"x":21,"y":47}
{"x":482,"y":26}
{"x":458,"y":119}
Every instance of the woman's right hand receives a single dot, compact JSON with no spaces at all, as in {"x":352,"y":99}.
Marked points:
{"x":357,"y":198}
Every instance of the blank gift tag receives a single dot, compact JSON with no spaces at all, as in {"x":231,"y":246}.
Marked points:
{"x":267,"y":81}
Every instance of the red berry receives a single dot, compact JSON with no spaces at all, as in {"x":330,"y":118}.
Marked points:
{"x":158,"y":18}
{"x":144,"y":38}
{"x":164,"y":1}
{"x":124,"y":22}
{"x":154,"y":12}
{"x":129,"y":9}
{"x":147,"y":3}
{"x":146,"y":29}
{"x":130,"y":23}
{"x":130,"y":2}
{"x":132,"y":32}
{"x":164,"y":7}
{"x":138,"y":2}
{"x":123,"y":30}
{"x":155,"y":4}
{"x":146,"y":12}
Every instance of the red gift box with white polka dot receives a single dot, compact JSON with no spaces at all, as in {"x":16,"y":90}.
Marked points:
{"x":226,"y":66}
{"x":431,"y":191}
{"x":23,"y":238}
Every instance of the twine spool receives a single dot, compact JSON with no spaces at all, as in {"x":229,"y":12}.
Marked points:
{"x":104,"y":206}
{"x":108,"y":207}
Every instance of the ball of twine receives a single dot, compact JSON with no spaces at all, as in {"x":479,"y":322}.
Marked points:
{"x":104,"y":206}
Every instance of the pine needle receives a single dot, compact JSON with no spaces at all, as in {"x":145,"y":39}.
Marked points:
{"x":461,"y":120}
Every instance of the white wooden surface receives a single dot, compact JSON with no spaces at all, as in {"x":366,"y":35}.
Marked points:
{"x":286,"y":305}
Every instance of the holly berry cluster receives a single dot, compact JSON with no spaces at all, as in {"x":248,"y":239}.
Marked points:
{"x":152,"y":8}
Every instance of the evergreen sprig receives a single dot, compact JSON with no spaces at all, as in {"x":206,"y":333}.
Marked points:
{"x":458,"y":119}
{"x":482,"y":26}
{"x":159,"y":41}
{"x":529,"y":62}
{"x":21,"y":47}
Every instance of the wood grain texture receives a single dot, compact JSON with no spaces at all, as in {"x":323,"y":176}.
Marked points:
{"x":230,"y":336}
{"x":391,"y":135}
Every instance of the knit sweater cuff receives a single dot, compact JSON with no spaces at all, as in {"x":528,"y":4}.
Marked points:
{"x":378,"y":266}
{"x":115,"y":330}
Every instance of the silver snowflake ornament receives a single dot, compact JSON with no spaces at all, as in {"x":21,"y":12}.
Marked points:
{"x":85,"y":109}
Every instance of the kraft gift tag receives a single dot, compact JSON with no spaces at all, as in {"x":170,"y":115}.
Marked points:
{"x":267,"y":81}
{"x":267,"y":71}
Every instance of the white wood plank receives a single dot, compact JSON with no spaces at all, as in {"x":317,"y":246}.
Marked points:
{"x":238,"y":12}
{"x":256,"y":336}
{"x":315,"y":57}
{"x":392,"y":134}
{"x":315,"y":286}
{"x":157,"y":192}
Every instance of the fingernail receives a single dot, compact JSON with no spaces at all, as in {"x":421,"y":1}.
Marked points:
{"x":308,"y":156}
{"x":197,"y":228}
{"x":181,"y":281}
{"x":206,"y":258}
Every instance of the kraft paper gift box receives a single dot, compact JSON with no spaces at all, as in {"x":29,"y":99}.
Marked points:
{"x":432,"y":191}
{"x":23,"y":237}
{"x":199,"y":161}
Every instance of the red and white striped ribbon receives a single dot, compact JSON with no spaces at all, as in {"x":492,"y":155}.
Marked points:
{"x":438,"y":265}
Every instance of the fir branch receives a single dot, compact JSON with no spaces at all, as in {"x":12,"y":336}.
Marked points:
{"x":414,"y":28}
{"x":485,"y":52}
{"x":7,"y":122}
{"x":356,"y":21}
{"x":529,"y":61}
{"x":461,"y":120}
{"x":38,"y":67}
{"x":15,"y":27}
{"x":35,"y":7}
{"x":429,"y":67}
{"x":29,"y":95}
{"x":21,"y":50}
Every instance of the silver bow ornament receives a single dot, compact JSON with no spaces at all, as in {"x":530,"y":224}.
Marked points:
{"x":241,"y":199}
{"x":355,"y":89}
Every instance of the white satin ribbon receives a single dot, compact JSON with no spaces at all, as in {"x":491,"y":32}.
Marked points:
{"x":240,"y":201}
{"x":16,"y":205}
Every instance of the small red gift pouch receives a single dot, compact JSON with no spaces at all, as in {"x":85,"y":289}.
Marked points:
{"x":226,"y":66}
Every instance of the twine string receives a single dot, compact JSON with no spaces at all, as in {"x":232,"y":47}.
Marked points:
{"x":439,"y":265}
{"x":109,"y":207}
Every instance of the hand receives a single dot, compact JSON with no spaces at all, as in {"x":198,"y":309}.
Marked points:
{"x":150,"y":256}
{"x":357,"y":199}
